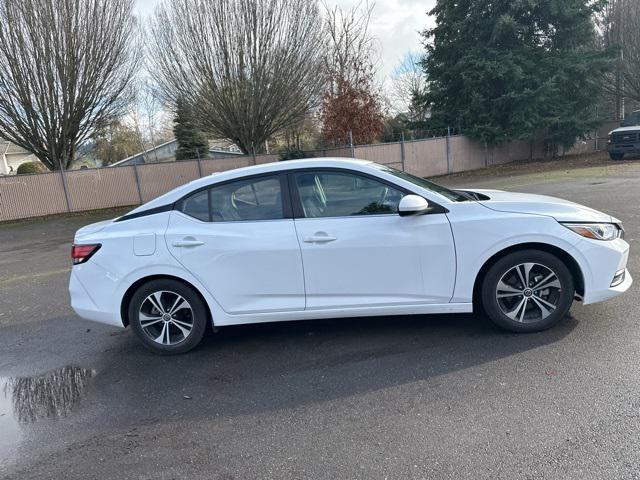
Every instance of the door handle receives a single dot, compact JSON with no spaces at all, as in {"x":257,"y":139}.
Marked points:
{"x":319,"y":237}
{"x":187,"y":243}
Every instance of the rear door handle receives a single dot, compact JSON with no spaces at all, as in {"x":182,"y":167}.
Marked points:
{"x":319,"y":237}
{"x":187,"y":243}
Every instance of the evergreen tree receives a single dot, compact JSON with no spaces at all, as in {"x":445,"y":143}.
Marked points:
{"x":192,"y":143}
{"x":504,"y":70}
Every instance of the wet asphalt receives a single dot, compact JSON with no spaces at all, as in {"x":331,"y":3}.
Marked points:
{"x":394,"y":397}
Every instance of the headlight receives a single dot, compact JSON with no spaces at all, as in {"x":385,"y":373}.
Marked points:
{"x":596,"y":231}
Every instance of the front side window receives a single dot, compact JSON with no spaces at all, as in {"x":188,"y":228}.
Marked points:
{"x":242,"y":200}
{"x":341,"y":194}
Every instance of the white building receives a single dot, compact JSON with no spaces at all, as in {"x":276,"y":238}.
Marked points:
{"x":11,"y":156}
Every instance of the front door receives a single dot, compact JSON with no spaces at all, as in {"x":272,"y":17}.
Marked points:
{"x":358,"y":252}
{"x":234,"y":238}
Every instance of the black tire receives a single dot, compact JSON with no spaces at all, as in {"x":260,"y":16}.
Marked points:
{"x":616,"y":156}
{"x":194,"y":314}
{"x":536,"y":303}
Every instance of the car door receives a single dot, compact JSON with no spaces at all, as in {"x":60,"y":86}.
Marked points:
{"x":357,"y":251}
{"x":239,"y":240}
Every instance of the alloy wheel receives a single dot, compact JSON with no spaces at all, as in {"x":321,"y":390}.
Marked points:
{"x":166,"y":317}
{"x":529,"y":292}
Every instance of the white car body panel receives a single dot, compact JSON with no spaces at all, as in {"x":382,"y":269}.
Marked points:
{"x":378,"y":265}
{"x":263,"y":258}
{"x":561,"y":210}
{"x":379,"y":259}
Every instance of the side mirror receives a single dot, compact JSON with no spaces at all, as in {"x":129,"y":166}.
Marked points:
{"x":412,"y":205}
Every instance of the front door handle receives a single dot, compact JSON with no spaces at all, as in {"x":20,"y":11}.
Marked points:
{"x":319,"y":237}
{"x":187,"y":243}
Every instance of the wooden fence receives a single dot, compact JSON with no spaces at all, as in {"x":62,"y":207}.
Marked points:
{"x":24,"y":196}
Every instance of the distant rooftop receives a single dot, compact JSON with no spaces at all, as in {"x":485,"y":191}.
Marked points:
{"x":165,"y":152}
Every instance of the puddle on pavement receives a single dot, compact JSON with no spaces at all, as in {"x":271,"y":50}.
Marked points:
{"x":25,"y":400}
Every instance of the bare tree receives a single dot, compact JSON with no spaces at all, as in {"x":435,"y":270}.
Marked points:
{"x":631,"y":48}
{"x":249,"y":68}
{"x":352,"y":105}
{"x":619,"y":27}
{"x":351,"y":51}
{"x":148,"y":118}
{"x":66,"y":68}
{"x":408,"y":81}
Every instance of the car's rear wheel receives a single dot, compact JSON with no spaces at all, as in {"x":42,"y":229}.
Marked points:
{"x":616,"y":156}
{"x":527,"y":291}
{"x":168,"y":316}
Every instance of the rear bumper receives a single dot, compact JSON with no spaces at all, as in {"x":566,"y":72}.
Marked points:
{"x":85,"y":306}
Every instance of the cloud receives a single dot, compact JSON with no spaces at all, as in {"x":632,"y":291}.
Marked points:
{"x":397,"y":25}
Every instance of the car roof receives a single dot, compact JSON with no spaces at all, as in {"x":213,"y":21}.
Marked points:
{"x":291,"y":164}
{"x":325,"y":162}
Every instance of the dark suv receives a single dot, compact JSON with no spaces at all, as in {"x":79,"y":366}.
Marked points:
{"x":625,"y":139}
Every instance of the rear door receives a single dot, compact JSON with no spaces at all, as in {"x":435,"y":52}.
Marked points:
{"x":358,"y":252}
{"x":239,"y":240}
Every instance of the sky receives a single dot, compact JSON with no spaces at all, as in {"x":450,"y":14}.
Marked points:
{"x":395,"y":24}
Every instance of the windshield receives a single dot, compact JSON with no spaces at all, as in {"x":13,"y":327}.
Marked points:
{"x":632,"y":120}
{"x":421,"y":182}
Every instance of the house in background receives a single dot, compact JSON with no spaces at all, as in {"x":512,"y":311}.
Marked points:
{"x":12,"y":156}
{"x":166,"y":152}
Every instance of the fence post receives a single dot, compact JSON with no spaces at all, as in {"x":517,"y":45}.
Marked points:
{"x":486,"y":155}
{"x":64,"y":187}
{"x":199,"y":166}
{"x":449,"y":167}
{"x":353,"y":150}
{"x":135,"y":171}
{"x":531,"y":150}
{"x":402,"y":150}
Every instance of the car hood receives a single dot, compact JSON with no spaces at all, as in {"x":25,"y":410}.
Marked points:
{"x":634,"y":128}
{"x":561,"y":210}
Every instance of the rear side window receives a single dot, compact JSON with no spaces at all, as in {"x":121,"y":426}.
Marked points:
{"x":242,"y":200}
{"x":197,"y":206}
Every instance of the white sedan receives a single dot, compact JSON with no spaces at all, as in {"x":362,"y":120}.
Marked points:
{"x":326,"y":238}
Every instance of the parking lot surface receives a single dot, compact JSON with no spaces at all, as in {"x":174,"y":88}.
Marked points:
{"x":390,"y":397}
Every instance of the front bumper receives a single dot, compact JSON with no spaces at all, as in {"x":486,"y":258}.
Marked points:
{"x":623,"y":148}
{"x":624,"y":285}
{"x":603,"y":261}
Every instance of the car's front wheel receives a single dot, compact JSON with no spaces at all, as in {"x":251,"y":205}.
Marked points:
{"x":168,"y":316}
{"x":616,"y":156}
{"x":527,"y":291}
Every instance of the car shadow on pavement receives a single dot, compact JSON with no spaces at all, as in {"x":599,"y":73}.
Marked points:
{"x":86,"y":379}
{"x":259,"y":368}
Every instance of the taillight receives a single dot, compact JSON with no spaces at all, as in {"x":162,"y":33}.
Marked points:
{"x":82,"y":253}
